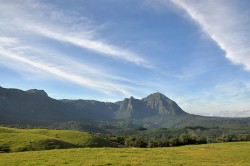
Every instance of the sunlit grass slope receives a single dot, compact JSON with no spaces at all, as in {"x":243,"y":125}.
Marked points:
{"x":14,"y":140}
{"x":210,"y":154}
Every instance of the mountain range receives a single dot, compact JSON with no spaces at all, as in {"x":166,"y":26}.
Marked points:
{"x":156,"y":110}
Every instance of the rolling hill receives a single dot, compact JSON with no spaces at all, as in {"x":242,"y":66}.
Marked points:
{"x":16,"y":140}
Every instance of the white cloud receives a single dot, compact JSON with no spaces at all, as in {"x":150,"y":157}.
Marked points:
{"x":12,"y":52}
{"x":93,"y":45}
{"x":245,"y":113}
{"x":63,"y":26}
{"x":22,"y":34}
{"x":7,"y":41}
{"x":226,"y":24}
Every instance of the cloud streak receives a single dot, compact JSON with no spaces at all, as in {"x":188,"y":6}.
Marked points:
{"x":38,"y":18}
{"x":93,"y":45}
{"x":227,"y":25}
{"x":60,"y":66}
{"x":21,"y":42}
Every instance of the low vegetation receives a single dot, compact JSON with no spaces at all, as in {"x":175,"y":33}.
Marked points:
{"x":233,"y":154}
{"x":14,"y":140}
{"x":61,"y":147}
{"x":164,"y":137}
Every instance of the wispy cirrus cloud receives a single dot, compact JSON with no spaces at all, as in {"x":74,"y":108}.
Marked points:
{"x":63,"y":26}
{"x":21,"y":42}
{"x":224,"y":23}
{"x":61,"y":66}
{"x":93,"y":45}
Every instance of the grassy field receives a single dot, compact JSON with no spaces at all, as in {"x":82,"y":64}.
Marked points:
{"x":16,"y":140}
{"x":210,"y":154}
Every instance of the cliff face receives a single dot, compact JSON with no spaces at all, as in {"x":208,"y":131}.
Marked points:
{"x":153,"y":105}
{"x":162,"y":105}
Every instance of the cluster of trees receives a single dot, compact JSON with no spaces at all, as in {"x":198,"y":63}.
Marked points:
{"x":143,"y":137}
{"x":183,"y":139}
{"x":143,"y":142}
{"x":233,"y":138}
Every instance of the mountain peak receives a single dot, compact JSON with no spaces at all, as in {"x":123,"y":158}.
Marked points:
{"x":157,"y":96}
{"x":157,"y":93}
{"x":162,"y":104}
{"x":36,"y":91}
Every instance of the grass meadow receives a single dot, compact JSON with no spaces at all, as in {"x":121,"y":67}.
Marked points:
{"x":17,"y":140}
{"x":237,"y":153}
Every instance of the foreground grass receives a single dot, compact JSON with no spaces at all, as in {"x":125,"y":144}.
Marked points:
{"x":210,"y":154}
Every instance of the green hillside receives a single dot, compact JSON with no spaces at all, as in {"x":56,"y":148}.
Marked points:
{"x":210,"y":154}
{"x":15,"y":140}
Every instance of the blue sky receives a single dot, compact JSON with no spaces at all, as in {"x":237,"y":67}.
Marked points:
{"x":195,"y":52}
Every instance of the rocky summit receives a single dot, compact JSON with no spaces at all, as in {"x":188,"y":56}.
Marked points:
{"x":153,"y":105}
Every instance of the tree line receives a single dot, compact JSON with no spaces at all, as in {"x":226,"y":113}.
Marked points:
{"x":183,"y":139}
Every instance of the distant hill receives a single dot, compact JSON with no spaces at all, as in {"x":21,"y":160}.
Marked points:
{"x":36,"y":105}
{"x":156,"y":110}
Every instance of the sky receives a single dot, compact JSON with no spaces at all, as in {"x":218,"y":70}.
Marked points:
{"x":195,"y":52}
